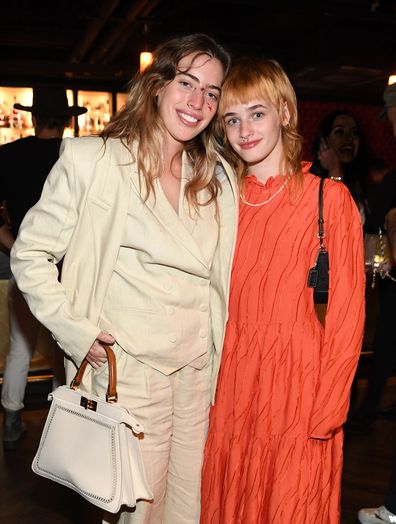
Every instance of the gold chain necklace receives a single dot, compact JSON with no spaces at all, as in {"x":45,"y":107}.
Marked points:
{"x":265,"y":201}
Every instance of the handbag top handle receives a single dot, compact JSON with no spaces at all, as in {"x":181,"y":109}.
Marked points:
{"x":111,"y":394}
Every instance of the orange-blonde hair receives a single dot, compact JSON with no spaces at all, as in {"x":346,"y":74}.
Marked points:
{"x":263,"y":79}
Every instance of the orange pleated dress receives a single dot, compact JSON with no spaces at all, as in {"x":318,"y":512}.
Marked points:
{"x":274,"y":448}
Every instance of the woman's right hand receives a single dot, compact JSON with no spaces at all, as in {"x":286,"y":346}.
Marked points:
{"x":328,"y":159}
{"x":96,"y":355}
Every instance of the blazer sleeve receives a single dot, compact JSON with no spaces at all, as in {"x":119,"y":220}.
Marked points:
{"x":344,"y":323}
{"x":43,"y":240}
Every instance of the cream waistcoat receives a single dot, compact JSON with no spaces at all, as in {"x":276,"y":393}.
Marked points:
{"x":163,"y":321}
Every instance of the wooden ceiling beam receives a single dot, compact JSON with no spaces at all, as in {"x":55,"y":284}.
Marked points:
{"x":123,"y":38}
{"x":135,"y":9}
{"x":35,"y":38}
{"x":38,"y":69}
{"x":92,"y":31}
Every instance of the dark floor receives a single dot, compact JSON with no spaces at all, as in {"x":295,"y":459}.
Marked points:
{"x":27,"y":498}
{"x":367,"y":463}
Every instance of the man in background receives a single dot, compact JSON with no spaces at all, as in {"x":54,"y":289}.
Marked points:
{"x":24,"y":166}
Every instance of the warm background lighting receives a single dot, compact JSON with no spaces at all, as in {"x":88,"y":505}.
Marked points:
{"x":391,"y":80}
{"x":146,"y":59}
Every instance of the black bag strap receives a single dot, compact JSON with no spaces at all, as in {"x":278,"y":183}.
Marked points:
{"x":321,"y":233}
{"x":318,"y":275}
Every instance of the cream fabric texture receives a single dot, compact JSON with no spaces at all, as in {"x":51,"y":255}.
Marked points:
{"x":81,"y":218}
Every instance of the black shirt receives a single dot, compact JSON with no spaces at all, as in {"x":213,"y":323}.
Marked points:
{"x":24,"y":166}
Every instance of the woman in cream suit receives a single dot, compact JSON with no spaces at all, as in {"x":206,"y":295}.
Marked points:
{"x":144,"y":219}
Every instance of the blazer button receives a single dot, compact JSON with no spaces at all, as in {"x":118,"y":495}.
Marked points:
{"x":203,"y":307}
{"x":170,"y":310}
{"x":203,"y":333}
{"x":172,"y":337}
{"x":167,"y":286}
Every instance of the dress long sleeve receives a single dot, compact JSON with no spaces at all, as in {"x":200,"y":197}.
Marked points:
{"x":345,"y":316}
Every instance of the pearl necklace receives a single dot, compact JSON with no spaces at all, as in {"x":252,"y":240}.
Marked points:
{"x":265,"y":201}
{"x":337,"y":178}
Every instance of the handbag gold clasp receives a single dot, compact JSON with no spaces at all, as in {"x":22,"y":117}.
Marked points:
{"x":88,"y":403}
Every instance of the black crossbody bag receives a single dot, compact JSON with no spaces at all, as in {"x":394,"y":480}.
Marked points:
{"x":318,"y":276}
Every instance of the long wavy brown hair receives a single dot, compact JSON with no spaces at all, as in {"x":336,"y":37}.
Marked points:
{"x":257,"y":79}
{"x":139,"y":120}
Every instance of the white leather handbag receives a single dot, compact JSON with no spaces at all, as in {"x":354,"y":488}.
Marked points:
{"x":92,"y":446}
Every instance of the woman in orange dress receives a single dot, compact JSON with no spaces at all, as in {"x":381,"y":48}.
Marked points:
{"x":274,"y":449}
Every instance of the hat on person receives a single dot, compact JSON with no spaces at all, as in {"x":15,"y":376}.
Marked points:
{"x":389,"y":97}
{"x":51,"y":101}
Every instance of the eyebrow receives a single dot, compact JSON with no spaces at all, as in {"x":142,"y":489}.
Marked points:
{"x":211,"y":86}
{"x":250,"y":108}
{"x":257,"y":106}
{"x":343,"y":126}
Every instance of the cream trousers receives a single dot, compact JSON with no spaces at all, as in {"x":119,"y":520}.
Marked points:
{"x":174,"y":412}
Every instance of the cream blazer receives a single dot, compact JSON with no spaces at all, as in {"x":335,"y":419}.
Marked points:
{"x":80,"y":219}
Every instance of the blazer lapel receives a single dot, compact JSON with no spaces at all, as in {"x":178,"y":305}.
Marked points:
{"x":108,"y":206}
{"x":164,"y":213}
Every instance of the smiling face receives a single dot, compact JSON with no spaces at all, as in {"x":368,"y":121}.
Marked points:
{"x":344,"y":138}
{"x":254,"y":131}
{"x":188,"y":103}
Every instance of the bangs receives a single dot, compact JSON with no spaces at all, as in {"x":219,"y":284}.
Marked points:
{"x":242,"y":87}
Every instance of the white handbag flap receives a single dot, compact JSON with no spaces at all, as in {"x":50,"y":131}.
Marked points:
{"x":82,"y":400}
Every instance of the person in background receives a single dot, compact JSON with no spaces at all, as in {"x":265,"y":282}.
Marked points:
{"x":339,"y":153}
{"x":25,"y":165}
{"x":384,"y":343}
{"x":384,"y":359}
{"x":144,"y":218}
{"x":274,"y":448}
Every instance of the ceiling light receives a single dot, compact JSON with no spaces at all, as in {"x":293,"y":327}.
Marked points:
{"x":146,"y":59}
{"x":391,"y":80}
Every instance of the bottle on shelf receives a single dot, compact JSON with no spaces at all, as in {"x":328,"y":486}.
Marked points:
{"x":15,"y":117}
{"x":4,"y":114}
